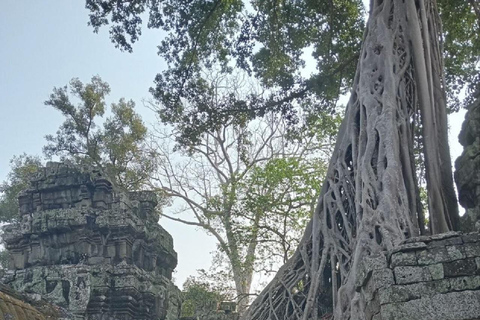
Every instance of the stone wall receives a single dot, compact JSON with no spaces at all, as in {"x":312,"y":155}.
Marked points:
{"x":15,"y":306}
{"x":98,"y":253}
{"x":428,"y":278}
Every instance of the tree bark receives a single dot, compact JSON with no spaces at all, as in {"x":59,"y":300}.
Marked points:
{"x":369,"y":202}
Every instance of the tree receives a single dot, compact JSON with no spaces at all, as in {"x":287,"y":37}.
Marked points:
{"x":118,"y":148}
{"x":370,"y":204}
{"x":4,"y":260}
{"x":369,"y":201}
{"x":200,"y":299}
{"x":23,"y":169}
{"x":268,"y":39}
{"x":461,"y":25}
{"x":249,"y":188}
{"x":263,"y":38}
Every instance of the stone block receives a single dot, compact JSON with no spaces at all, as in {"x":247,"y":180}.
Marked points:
{"x":18,"y":259}
{"x":436,"y":271}
{"x":368,"y":264}
{"x":463,"y":283}
{"x":432,"y":256}
{"x":407,"y":292}
{"x":402,"y":293}
{"x":378,"y":316}
{"x":382,"y":278}
{"x":471,"y":237}
{"x":403,"y":259}
{"x":472,"y":249}
{"x":450,"y":306}
{"x":458,"y":268}
{"x":372,"y":308}
{"x":455,"y":252}
{"x":407,"y":274}
{"x":409,"y":245}
{"x":453,"y":241}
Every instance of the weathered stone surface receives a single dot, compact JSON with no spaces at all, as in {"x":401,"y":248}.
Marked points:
{"x":417,"y":241}
{"x":449,"y":306}
{"x":436,"y":271}
{"x":402,"y":293}
{"x":472,"y":250}
{"x":368,"y":265}
{"x":90,"y":249}
{"x":15,"y":306}
{"x":409,"y":246}
{"x":403,"y":259}
{"x":471,"y":237}
{"x":433,"y":256}
{"x":467,"y":174}
{"x":455,"y":252}
{"x":405,"y":275}
{"x":437,"y":279}
{"x":467,"y":267}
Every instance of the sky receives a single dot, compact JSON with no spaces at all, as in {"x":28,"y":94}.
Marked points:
{"x":44,"y":44}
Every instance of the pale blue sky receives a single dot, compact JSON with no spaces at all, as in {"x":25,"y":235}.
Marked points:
{"x":44,"y":44}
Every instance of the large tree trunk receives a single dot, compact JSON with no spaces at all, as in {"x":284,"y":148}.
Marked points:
{"x":369,"y":201}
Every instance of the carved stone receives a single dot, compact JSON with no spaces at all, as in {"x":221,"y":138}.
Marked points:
{"x":98,"y":253}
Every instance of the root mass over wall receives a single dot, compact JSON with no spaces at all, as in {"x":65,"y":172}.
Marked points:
{"x":369,"y":202}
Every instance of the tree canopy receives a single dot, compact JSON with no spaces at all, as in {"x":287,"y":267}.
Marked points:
{"x":22,"y":170}
{"x":249,"y":188}
{"x":117,"y":146}
{"x":370,"y":200}
{"x":266,"y":39}
{"x":270,"y":40}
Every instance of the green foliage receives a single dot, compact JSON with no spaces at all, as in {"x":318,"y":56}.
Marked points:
{"x":200,"y":298}
{"x":266,"y":39}
{"x":252,"y":188}
{"x":23,"y":169}
{"x":4,"y":259}
{"x":118,"y":146}
{"x":285,"y":191}
{"x":461,"y":24}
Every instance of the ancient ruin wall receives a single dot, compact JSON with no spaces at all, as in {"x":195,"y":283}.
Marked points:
{"x":428,"y":278}
{"x":98,"y":253}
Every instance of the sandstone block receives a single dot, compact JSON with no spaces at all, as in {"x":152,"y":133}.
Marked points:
{"x":406,"y":274}
{"x":458,"y":268}
{"x":403,"y":259}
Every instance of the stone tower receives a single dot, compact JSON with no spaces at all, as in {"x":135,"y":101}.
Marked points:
{"x":98,"y":253}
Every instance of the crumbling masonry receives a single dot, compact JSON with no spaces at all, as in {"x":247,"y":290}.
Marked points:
{"x":99,"y":254}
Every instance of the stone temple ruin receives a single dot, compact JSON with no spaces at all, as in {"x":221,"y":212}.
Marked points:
{"x":94,"y":252}
{"x":82,"y":251}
